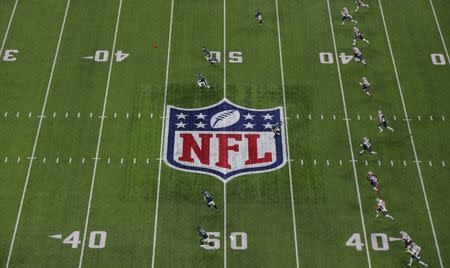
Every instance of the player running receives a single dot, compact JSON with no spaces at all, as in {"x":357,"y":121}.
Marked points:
{"x":366,"y":145}
{"x":277,"y":129}
{"x":414,"y":250}
{"x":258,"y":16}
{"x":204,"y":237}
{"x":365,"y":86}
{"x":358,"y":35}
{"x":360,"y":3}
{"x":357,"y":55}
{"x":373,"y":180}
{"x":207,"y":197}
{"x":346,"y":16}
{"x":202,"y":82}
{"x":406,"y":239}
{"x":383,"y":122}
{"x":381,"y":208}
{"x":208,"y":56}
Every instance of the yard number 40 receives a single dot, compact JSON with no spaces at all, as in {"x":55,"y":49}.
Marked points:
{"x":97,"y":239}
{"x":379,"y":241}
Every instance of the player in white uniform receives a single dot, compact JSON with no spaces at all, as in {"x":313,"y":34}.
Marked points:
{"x":258,"y":16}
{"x":366,"y":145}
{"x":346,"y":16}
{"x":414,"y":250}
{"x":373,"y":180}
{"x":365,"y":86}
{"x":357,"y":55}
{"x":383,"y":122}
{"x":202,"y":82}
{"x":276,"y":129}
{"x":406,"y":239}
{"x":358,"y":35}
{"x":360,"y":3}
{"x":381,"y":208}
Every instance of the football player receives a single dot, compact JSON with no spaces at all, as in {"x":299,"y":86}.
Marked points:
{"x":358,"y":35}
{"x":414,"y":250}
{"x":346,"y":16}
{"x":383,"y":122}
{"x":202,"y":82}
{"x":358,"y":55}
{"x":258,"y":16}
{"x":204,"y":237}
{"x":276,"y":129}
{"x":373,"y":180}
{"x":365,"y":86}
{"x":381,"y":208}
{"x":360,"y":3}
{"x":406,"y":238}
{"x":208,"y":56}
{"x":207,"y":197}
{"x":366,"y":145}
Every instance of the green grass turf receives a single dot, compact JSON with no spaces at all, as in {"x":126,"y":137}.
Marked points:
{"x":124,"y":196}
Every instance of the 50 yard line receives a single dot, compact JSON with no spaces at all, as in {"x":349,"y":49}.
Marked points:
{"x":411,"y":135}
{"x":38,"y":131}
{"x":166,"y":83}
{"x":349,"y":136}
{"x":287,"y":137}
{"x":102,"y":119}
{"x":13,"y":12}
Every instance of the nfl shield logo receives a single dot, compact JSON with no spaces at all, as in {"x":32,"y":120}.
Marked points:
{"x":224,"y":140}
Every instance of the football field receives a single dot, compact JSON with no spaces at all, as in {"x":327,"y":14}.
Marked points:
{"x":107,"y":141}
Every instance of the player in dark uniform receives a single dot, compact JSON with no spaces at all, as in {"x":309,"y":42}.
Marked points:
{"x":203,"y":237}
{"x":258,"y":16}
{"x":414,"y":250}
{"x":208,"y":56}
{"x":383,"y":122}
{"x":366,"y":145}
{"x":373,"y":180}
{"x":365,"y":85}
{"x":406,"y":239}
{"x":207,"y":197}
{"x":276,"y":129}
{"x":360,"y":3}
{"x":346,"y":16}
{"x":202,"y":82}
{"x":358,"y":55}
{"x":358,"y":35}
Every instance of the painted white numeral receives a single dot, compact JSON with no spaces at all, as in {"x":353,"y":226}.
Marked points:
{"x":438,"y":59}
{"x":73,"y":239}
{"x":235,"y":57}
{"x":120,"y":56}
{"x":216,"y":55}
{"x":9,"y":55}
{"x":326,"y":58}
{"x":234,"y":237}
{"x":345,"y":59}
{"x":355,"y":241}
{"x":213,"y":237}
{"x":384,"y":242}
{"x":101,"y":55}
{"x":97,"y":243}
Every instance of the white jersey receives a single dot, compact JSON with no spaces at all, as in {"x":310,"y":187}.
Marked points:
{"x":373,"y":179}
{"x":381,"y":205}
{"x":365,"y":82}
{"x":414,"y":250}
{"x":366,"y":142}
{"x":406,"y":238}
{"x":381,"y":117}
{"x":345,"y":12}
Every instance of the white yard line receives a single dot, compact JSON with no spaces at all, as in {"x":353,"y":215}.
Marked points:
{"x":287,"y":137}
{"x":161,"y":148}
{"x":411,"y":135}
{"x":99,"y":140}
{"x":36,"y":139}
{"x":349,"y":137}
{"x":13,"y":12}
{"x":440,"y":32}
{"x":225,"y":236}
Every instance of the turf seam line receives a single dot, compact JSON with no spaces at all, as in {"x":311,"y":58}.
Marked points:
{"x":99,"y":139}
{"x":287,"y":136}
{"x":410,"y":133}
{"x":25,"y":187}
{"x":349,"y":136}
